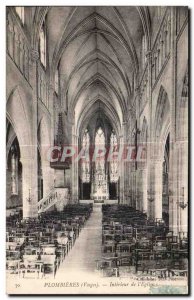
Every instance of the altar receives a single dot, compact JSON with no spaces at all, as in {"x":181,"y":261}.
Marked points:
{"x":100,"y":191}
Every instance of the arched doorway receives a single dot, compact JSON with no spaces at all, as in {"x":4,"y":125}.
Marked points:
{"x":14,"y":171}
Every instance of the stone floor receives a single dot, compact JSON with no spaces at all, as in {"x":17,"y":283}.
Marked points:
{"x":87,"y":247}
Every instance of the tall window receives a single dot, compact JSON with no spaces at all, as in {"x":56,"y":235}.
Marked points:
{"x":100,"y":141}
{"x":144,"y":48}
{"x":20,"y":12}
{"x":100,"y":138}
{"x":57,"y":81}
{"x":160,"y":12}
{"x":42,"y":44}
{"x":85,"y":161}
{"x":114,"y":161}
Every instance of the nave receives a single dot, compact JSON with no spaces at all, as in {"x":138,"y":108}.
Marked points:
{"x":100,"y":240}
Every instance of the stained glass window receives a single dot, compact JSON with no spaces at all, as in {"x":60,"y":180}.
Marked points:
{"x":100,"y":141}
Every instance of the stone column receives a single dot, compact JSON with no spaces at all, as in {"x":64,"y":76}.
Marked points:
{"x":125,"y":166}
{"x":68,"y":178}
{"x":151,"y":189}
{"x":52,"y":112}
{"x":148,"y":180}
{"x":173,"y":171}
{"x":59,"y":178}
{"x":30,"y":160}
{"x":122,"y":172}
{"x":184,"y":218}
{"x":129,"y":188}
{"x":144,"y":189}
{"x":158,"y":189}
{"x":138,"y":190}
{"x":184,"y":187}
{"x":48,"y":177}
{"x":174,"y":215}
{"x":133,"y":191}
{"x":75,"y":169}
{"x":182,"y":195}
{"x":14,"y":173}
{"x":30,"y":188}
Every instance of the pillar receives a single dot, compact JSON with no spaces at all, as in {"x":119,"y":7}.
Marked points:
{"x":29,"y":157}
{"x":158,"y":189}
{"x":144,"y":189}
{"x":123,"y":193}
{"x":59,"y":178}
{"x":30,"y":188}
{"x":75,"y":170}
{"x":122,"y":174}
{"x":182,"y":148}
{"x":14,"y":173}
{"x":173,"y":170}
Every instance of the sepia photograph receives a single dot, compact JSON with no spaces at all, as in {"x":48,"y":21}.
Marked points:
{"x":97,"y":150}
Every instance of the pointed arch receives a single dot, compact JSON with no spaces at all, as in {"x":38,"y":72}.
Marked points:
{"x":20,"y":120}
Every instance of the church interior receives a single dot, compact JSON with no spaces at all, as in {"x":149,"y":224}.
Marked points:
{"x":79,"y":77}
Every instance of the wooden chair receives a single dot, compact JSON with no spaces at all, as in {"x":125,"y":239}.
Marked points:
{"x":179,"y":267}
{"x":108,"y":238}
{"x":12,"y":261}
{"x":109,"y":249}
{"x":49,"y":263}
{"x":31,"y":266}
{"x":107,"y":267}
{"x":122,"y":249}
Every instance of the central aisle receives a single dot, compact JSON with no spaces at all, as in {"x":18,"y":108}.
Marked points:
{"x":87,"y":248}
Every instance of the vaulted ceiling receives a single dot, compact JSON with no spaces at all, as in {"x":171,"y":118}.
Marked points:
{"x":98,"y":53}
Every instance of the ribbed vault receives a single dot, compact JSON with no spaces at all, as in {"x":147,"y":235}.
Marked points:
{"x":99,"y":109}
{"x":97,"y":51}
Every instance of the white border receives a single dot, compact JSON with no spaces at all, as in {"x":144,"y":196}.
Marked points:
{"x":3,"y":4}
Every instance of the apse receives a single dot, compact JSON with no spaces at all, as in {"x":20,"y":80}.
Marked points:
{"x":99,"y":179}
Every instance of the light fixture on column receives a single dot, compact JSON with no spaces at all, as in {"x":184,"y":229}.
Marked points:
{"x":182,"y":204}
{"x":29,"y":198}
{"x":151,"y":196}
{"x":170,"y":192}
